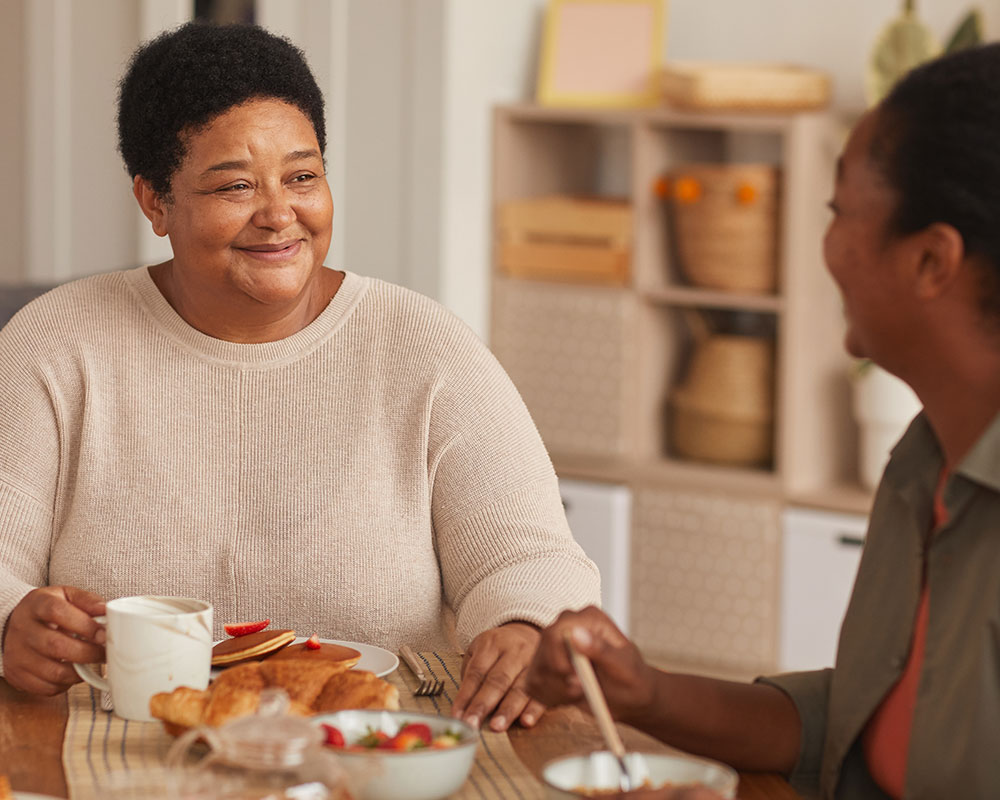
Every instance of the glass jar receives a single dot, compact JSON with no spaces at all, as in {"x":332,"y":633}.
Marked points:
{"x":268,"y":755}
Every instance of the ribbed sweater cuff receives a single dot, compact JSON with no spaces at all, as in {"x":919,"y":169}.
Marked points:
{"x":535,"y":590}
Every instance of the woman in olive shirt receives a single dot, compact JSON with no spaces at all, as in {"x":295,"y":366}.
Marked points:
{"x":912,"y":707}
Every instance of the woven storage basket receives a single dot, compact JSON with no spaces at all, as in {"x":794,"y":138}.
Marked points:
{"x":744,"y":87}
{"x":723,"y":411}
{"x":725,"y":219}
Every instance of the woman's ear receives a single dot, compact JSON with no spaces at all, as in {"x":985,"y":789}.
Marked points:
{"x":942,"y":259}
{"x":152,"y":205}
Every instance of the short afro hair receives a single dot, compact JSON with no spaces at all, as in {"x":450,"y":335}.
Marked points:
{"x":180,"y":81}
{"x":937,"y":142}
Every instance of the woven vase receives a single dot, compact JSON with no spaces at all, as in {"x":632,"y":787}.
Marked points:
{"x":723,"y":411}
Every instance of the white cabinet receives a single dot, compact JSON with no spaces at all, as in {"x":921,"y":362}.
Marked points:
{"x":820,"y":555}
{"x":599,"y":516}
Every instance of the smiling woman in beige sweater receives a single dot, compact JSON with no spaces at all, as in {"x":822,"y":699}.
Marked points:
{"x":245,"y":425}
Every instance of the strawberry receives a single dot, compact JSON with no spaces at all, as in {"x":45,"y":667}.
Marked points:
{"x":406,"y":740}
{"x":373,"y":739}
{"x":243,"y":628}
{"x":334,"y":737}
{"x":445,"y":741}
{"x":419,"y":729}
{"x":312,"y":642}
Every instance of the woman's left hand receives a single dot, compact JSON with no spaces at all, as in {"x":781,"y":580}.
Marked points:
{"x":493,"y":675}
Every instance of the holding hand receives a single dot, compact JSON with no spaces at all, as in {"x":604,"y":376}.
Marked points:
{"x":627,"y":681}
{"x":493,"y":677}
{"x":50,"y":629}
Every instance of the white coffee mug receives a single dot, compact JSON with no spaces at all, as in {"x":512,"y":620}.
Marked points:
{"x":154,"y":644}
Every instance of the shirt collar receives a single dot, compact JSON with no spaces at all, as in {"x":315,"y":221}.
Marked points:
{"x":982,"y":462}
{"x":917,"y":460}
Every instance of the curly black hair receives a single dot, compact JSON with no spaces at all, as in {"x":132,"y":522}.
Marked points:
{"x":937,"y":141}
{"x":180,"y":81}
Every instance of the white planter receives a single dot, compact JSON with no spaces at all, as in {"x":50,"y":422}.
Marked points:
{"x":883,"y":407}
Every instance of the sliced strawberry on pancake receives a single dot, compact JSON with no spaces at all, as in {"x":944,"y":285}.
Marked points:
{"x":244,"y":628}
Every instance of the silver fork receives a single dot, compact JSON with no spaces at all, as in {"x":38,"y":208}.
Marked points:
{"x":429,"y":687}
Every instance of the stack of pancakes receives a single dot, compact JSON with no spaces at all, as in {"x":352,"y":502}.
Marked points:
{"x":278,"y":644}
{"x":316,"y":680}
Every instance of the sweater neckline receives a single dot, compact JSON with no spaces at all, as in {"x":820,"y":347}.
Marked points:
{"x":261,"y":354}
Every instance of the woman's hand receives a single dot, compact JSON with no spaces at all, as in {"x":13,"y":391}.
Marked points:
{"x":493,"y":675}
{"x":50,"y":629}
{"x":628,"y":682}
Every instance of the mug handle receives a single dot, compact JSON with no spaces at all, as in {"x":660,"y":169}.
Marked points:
{"x":87,"y":671}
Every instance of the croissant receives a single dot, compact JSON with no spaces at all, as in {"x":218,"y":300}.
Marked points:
{"x":311,"y":687}
{"x":356,"y":689}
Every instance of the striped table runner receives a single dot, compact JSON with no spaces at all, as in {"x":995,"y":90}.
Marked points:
{"x":97,"y":743}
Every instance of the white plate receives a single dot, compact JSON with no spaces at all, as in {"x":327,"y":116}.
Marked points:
{"x":373,"y":659}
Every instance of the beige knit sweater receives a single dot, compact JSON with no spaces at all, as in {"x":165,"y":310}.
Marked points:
{"x":364,"y":479}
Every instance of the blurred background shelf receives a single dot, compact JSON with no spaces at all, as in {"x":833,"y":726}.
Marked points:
{"x":600,"y":367}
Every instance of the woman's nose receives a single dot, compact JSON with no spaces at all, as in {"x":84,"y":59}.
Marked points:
{"x":275,"y":210}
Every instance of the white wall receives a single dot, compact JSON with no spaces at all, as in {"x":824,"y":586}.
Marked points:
{"x":76,"y":198}
{"x":100,"y":192}
{"x":490,"y":58}
{"x":13,"y":101}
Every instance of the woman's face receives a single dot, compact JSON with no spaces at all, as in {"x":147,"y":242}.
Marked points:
{"x":250,"y":212}
{"x":863,"y":257}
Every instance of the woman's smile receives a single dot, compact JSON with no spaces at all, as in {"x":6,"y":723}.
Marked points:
{"x":273,"y":253}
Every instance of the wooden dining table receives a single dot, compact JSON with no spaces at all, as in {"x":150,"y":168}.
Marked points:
{"x":31,"y":736}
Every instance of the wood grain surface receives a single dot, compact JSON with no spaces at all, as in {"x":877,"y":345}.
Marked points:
{"x":31,"y":735}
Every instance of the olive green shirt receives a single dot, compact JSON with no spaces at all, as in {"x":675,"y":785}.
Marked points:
{"x":955,"y":739}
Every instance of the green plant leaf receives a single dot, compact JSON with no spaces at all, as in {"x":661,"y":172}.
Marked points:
{"x":902,"y":45}
{"x":862,"y":366}
{"x":968,"y":32}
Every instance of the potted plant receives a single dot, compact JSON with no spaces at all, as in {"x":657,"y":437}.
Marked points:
{"x":883,"y":408}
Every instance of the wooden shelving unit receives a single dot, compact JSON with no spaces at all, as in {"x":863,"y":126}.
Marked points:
{"x":596,"y":364}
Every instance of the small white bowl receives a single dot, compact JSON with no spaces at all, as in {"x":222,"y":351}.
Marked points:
{"x":424,"y":774}
{"x":600,"y":770}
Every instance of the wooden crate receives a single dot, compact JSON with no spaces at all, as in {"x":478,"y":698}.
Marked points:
{"x":565,"y":238}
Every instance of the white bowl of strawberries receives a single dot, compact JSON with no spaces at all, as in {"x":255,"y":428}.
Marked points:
{"x":401,"y":755}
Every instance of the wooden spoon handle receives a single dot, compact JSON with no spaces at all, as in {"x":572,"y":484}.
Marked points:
{"x":595,"y":698}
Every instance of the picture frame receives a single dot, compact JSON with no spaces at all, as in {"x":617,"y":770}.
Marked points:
{"x":602,"y":53}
